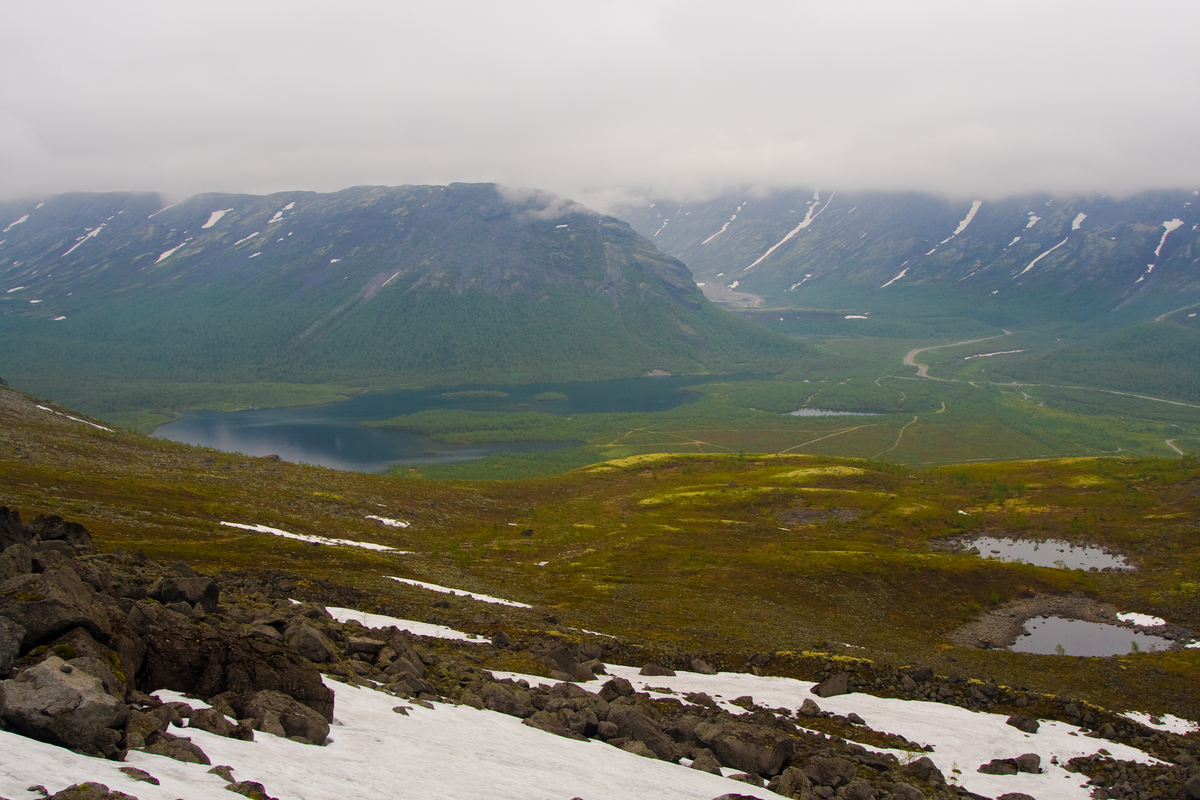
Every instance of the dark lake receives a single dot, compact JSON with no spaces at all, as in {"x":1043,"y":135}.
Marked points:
{"x":331,"y":434}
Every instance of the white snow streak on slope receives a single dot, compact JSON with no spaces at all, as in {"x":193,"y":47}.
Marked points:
{"x":248,"y":238}
{"x":725,"y":227}
{"x":173,"y":249}
{"x":58,"y":319}
{"x":1170,"y":226}
{"x":15,"y":289}
{"x":215,"y":217}
{"x":1014,"y":241}
{"x":484,"y":598}
{"x":660,"y":230}
{"x":84,"y":238}
{"x":1039,"y":258}
{"x":156,"y":213}
{"x":68,"y":416}
{"x":804,"y":223}
{"x":1033,"y":220}
{"x":1145,"y":620}
{"x":1077,"y":223}
{"x":391,"y":523}
{"x":1170,"y":722}
{"x":259,"y":253}
{"x":962,"y":226}
{"x":314,"y":539}
{"x":903,"y":272}
{"x":416,"y":628}
{"x":15,"y":222}
{"x":290,"y":206}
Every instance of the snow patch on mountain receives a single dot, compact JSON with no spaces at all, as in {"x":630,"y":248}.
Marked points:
{"x":1077,"y":223}
{"x":91,"y":232}
{"x":962,"y":226}
{"x":1039,"y":258}
{"x":804,"y":223}
{"x":15,"y":223}
{"x":168,"y":253}
{"x":483,"y":598}
{"x":301,"y":537}
{"x":215,"y":217}
{"x":903,"y":272}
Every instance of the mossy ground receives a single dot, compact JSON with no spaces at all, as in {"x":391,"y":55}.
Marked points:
{"x":715,"y":554}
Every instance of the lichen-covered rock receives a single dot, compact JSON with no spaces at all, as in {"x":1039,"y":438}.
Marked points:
{"x":52,"y":603}
{"x":633,"y":724}
{"x":179,"y":749}
{"x":51,"y":527}
{"x":193,"y":591}
{"x":838,"y":684}
{"x":90,"y":791}
{"x":56,"y":703}
{"x":11,"y":635}
{"x":272,"y":708}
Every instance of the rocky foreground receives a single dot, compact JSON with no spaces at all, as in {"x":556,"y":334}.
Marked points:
{"x":86,"y":638}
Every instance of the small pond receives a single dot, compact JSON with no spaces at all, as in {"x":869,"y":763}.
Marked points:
{"x":1050,"y":553}
{"x":825,"y":412}
{"x":1046,"y":635}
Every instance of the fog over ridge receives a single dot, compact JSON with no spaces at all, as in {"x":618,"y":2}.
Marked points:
{"x":685,"y":99}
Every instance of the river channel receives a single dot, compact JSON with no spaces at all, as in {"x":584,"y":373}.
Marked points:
{"x":332,"y":434}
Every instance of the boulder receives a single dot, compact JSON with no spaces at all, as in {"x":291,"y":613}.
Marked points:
{"x":180,"y":749}
{"x":298,"y":721}
{"x":56,"y":703}
{"x":923,"y":769}
{"x":838,"y":684}
{"x":199,"y":590}
{"x":16,"y":560}
{"x":758,"y":749}
{"x":141,"y":728}
{"x":206,"y":661}
{"x":1029,"y":762}
{"x":830,"y":771}
{"x":616,"y":687}
{"x":1016,"y":796}
{"x":84,"y":653}
{"x":11,"y":635}
{"x":999,"y":766}
{"x":53,"y":528}
{"x":506,"y":700}
{"x":310,"y":642}
{"x":252,"y":789}
{"x":633,"y":724}
{"x":654,"y":670}
{"x":11,"y":530}
{"x":702,"y":667}
{"x":1191,"y":787}
{"x":857,"y":790}
{"x":140,"y":775}
{"x":705,"y":761}
{"x":213,"y":721}
{"x":792,"y":782}
{"x":1023,"y":723}
{"x":906,"y":791}
{"x":52,"y":603}
{"x":90,"y":791}
{"x":638,"y":748}
{"x":551,"y":723}
{"x":809,"y":709}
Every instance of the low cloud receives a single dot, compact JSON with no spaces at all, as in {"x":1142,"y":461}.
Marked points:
{"x":983,"y":98}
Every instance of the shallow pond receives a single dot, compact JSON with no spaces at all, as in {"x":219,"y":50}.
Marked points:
{"x":1050,"y":553}
{"x":332,"y":435}
{"x":1046,"y":635}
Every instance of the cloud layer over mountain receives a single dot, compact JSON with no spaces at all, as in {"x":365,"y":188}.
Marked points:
{"x":983,"y":98}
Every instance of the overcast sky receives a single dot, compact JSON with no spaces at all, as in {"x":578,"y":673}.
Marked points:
{"x":979,"y":97}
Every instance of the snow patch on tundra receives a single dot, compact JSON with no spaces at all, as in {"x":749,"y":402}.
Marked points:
{"x":303,"y":537}
{"x":368,"y":620}
{"x":483,"y":598}
{"x":391,"y":523}
{"x":15,"y":222}
{"x":962,"y":226}
{"x":215,"y":217}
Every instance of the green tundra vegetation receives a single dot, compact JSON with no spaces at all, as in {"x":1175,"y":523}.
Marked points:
{"x":721,"y":554}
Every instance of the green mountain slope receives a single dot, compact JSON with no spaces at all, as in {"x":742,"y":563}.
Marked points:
{"x":371,"y":286}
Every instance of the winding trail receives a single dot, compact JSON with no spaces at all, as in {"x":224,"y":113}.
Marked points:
{"x":1171,"y":444}
{"x":899,"y":436}
{"x":923,"y":369}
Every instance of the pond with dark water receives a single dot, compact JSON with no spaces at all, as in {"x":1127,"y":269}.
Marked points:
{"x":332,"y":434}
{"x":1048,"y":553}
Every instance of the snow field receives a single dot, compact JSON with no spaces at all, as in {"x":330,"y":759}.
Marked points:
{"x":1145,"y":620}
{"x":15,"y":222}
{"x":961,"y":739}
{"x":391,"y":523}
{"x":1039,"y":258}
{"x":91,"y":232}
{"x":962,"y":226}
{"x":804,"y":223}
{"x":369,"y":620}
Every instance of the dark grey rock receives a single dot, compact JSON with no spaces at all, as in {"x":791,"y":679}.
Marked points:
{"x":702,"y":667}
{"x":633,"y":724}
{"x":52,"y":603}
{"x":809,"y":709}
{"x":616,"y":687}
{"x":11,"y":635}
{"x":551,"y":723}
{"x":140,"y":775}
{"x":857,"y":790}
{"x":792,"y":782}
{"x":11,"y":530}
{"x":272,"y":708}
{"x":838,"y":684}
{"x":50,"y":527}
{"x":654,"y":670}
{"x":1029,"y":762}
{"x":213,"y":721}
{"x":746,"y":777}
{"x":506,"y":699}
{"x":310,"y":642}
{"x":56,"y":703}
{"x":705,"y":761}
{"x":193,"y":591}
{"x":179,"y":749}
{"x":906,"y":791}
{"x":751,"y":748}
{"x":923,"y":769}
{"x":830,"y":771}
{"x":16,"y":560}
{"x":1023,"y":723}
{"x":90,"y":791}
{"x":999,"y":766}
